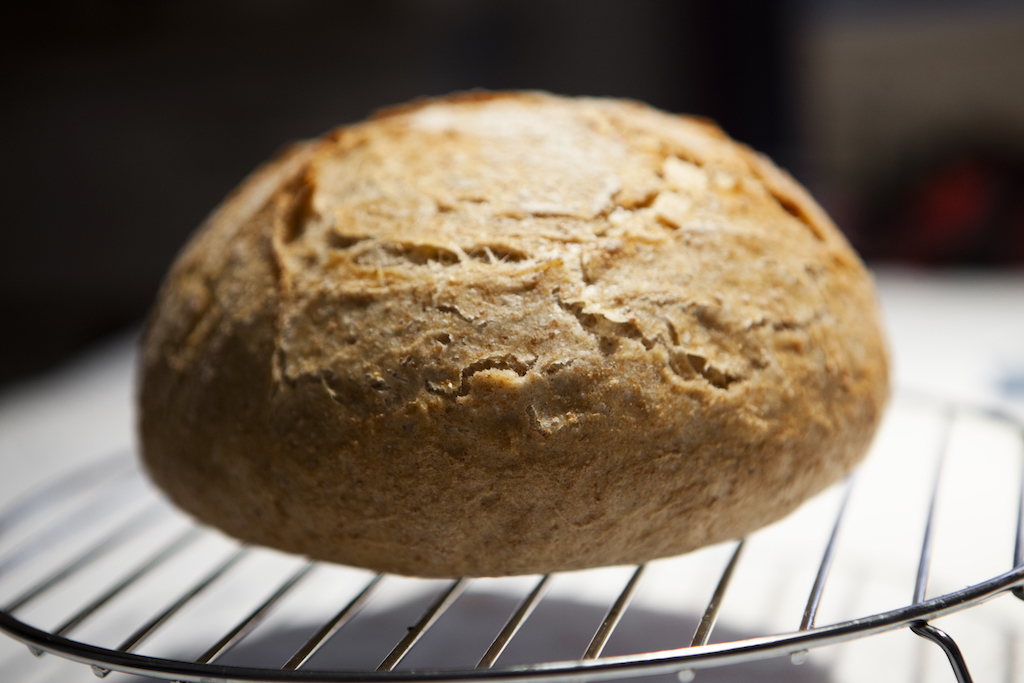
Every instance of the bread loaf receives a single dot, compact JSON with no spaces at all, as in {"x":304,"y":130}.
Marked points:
{"x":510,"y":333}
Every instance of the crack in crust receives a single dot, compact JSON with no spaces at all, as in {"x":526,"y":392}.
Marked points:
{"x":688,"y":365}
{"x":685,"y":364}
{"x":374,"y":252}
{"x":507,"y":362}
{"x":607,"y":331}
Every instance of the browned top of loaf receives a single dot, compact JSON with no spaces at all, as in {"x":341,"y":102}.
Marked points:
{"x":472,"y":200}
{"x":559,"y":262}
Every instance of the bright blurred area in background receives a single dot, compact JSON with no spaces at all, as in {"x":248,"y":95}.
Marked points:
{"x":125,"y":123}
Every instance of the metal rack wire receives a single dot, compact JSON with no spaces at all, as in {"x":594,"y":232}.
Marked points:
{"x":106,"y":508}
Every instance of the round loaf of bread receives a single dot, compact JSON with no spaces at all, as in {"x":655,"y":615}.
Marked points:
{"x":510,"y":333}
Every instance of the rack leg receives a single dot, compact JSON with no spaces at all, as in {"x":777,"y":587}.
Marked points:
{"x":948,"y":645}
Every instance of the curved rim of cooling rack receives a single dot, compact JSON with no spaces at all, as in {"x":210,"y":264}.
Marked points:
{"x":647,"y":664}
{"x":104,"y":660}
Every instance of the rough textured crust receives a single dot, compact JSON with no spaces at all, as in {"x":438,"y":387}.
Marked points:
{"x":510,"y":333}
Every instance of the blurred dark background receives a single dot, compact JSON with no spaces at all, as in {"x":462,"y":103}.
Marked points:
{"x":125,"y":122}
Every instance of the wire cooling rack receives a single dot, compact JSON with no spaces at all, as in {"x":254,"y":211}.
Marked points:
{"x":95,"y":567}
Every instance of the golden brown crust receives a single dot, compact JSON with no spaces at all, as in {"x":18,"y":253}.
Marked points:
{"x":510,"y":333}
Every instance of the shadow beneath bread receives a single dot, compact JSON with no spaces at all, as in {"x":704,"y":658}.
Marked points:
{"x":558,"y":630}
